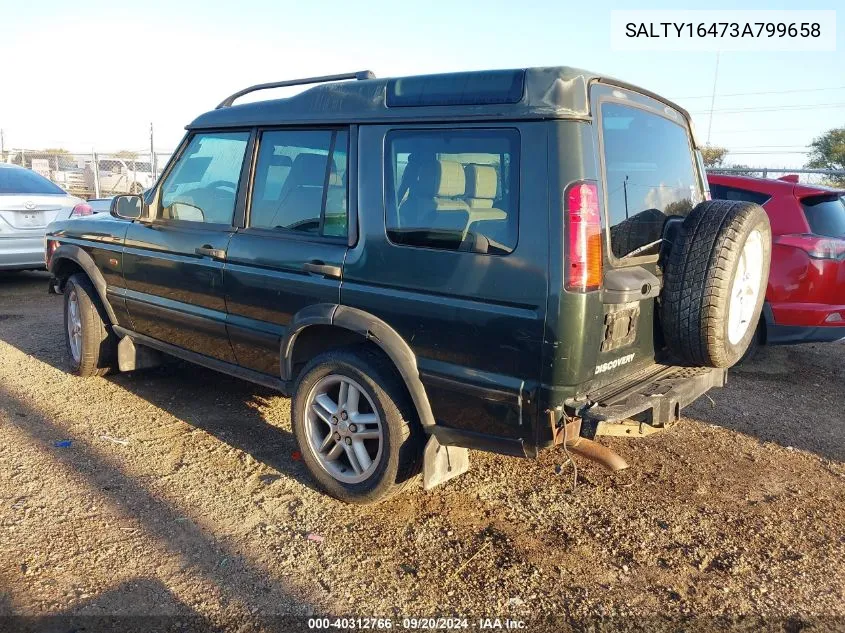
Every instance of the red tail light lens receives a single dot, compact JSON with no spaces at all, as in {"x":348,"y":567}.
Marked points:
{"x":51,"y":247}
{"x":584,"y":256}
{"x":815,"y":246}
{"x":82,"y":209}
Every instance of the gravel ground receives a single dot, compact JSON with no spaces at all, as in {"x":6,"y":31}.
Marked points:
{"x":179,"y":501}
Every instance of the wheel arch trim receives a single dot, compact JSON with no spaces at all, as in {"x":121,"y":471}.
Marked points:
{"x":372,"y":329}
{"x":77,"y":255}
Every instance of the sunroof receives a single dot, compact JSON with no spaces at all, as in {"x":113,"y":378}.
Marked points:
{"x":470,"y":88}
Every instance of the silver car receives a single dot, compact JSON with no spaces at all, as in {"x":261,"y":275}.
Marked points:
{"x":28,"y":203}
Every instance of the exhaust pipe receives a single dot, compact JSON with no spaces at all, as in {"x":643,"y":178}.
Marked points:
{"x":569,"y":433}
{"x":595,"y":452}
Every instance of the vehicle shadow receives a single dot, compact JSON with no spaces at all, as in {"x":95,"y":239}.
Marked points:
{"x":240,"y":582}
{"x":227,"y":408}
{"x":140,"y":605}
{"x":797,"y":399}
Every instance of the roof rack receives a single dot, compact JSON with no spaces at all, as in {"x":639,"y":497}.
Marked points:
{"x":360,"y":75}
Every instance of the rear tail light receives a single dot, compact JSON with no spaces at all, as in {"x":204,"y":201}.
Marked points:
{"x":584,"y":255}
{"x":49,"y":249}
{"x":815,"y":246}
{"x":82,"y":209}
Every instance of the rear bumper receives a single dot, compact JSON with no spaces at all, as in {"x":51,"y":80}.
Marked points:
{"x":787,"y":324}
{"x":792,"y":334}
{"x":805,"y":314}
{"x":655,"y":398}
{"x":17,"y":253}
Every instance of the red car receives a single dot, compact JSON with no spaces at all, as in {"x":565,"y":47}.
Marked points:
{"x":805,"y":299}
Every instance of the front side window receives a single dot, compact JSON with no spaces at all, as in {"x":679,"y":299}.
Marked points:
{"x":203,"y":185}
{"x":453,"y":189}
{"x":300,"y":182}
{"x":651,"y":174}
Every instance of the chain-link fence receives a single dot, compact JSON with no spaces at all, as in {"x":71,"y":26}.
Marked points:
{"x":94,"y":174}
{"x":831,"y":177}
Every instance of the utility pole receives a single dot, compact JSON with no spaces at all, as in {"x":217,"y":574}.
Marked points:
{"x":713,"y":98}
{"x":2,"y":147}
{"x":152,"y":153}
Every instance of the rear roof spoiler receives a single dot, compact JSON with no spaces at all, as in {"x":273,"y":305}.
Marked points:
{"x":360,"y":76}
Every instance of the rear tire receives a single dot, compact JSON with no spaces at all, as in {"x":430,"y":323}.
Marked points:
{"x":324,"y":423}
{"x":91,"y":343}
{"x":715,"y":282}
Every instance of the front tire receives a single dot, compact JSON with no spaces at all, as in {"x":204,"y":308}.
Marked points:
{"x":91,"y":344}
{"x":355,"y":425}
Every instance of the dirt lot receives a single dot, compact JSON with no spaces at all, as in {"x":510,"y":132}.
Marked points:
{"x":179,"y":497}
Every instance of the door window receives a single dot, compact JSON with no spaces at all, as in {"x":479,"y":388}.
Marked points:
{"x":453,"y":189}
{"x":301,"y":182}
{"x":203,"y":185}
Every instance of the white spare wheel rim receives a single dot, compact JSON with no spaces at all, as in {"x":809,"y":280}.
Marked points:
{"x":746,"y":288}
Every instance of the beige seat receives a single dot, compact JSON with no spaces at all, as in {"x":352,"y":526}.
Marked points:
{"x":301,"y":197}
{"x":481,"y":190}
{"x":434,"y":197}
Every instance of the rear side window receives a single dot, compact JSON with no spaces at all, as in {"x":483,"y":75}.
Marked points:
{"x":825,"y":215}
{"x":300,"y":182}
{"x":721,"y":192}
{"x":651,"y":174}
{"x":453,"y":189}
{"x":25,"y":181}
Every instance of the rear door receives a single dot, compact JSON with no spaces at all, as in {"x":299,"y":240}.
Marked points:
{"x":453,"y":256}
{"x":650,"y":174}
{"x":289,"y":253}
{"x":173,"y":260}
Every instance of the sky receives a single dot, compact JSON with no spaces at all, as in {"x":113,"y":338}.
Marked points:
{"x":94,"y":75}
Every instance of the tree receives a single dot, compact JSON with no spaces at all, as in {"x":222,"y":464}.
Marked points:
{"x":713,"y":156}
{"x":124,"y":153}
{"x":828,"y":152}
{"x":745,"y":170}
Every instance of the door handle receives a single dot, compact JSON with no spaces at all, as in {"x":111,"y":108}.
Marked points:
{"x":316,"y":267}
{"x":208,"y":251}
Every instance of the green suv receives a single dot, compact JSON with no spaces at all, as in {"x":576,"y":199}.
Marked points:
{"x":504,"y":261}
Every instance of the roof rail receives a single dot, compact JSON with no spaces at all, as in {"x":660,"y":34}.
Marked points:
{"x":360,"y":75}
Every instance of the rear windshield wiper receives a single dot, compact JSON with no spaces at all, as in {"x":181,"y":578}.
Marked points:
{"x":639,"y":250}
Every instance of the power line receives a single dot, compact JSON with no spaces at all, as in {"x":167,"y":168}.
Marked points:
{"x":764,"y":92}
{"x":816,"y":106}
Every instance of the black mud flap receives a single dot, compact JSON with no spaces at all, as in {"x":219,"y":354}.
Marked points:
{"x":442,"y":463}
{"x":654,"y":398}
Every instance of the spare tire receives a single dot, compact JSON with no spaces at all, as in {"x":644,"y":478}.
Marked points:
{"x":715,"y":278}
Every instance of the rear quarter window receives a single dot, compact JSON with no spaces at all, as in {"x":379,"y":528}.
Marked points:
{"x":650,"y":175}
{"x":721,"y":192}
{"x":825,"y":215}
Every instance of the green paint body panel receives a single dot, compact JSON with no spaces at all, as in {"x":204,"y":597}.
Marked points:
{"x":494,"y":340}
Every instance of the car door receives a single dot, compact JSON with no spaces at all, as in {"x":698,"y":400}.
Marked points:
{"x":289,"y":253}
{"x":452,"y":255}
{"x":174,"y":257}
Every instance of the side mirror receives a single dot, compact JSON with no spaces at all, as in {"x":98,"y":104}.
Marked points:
{"x":127,"y":207}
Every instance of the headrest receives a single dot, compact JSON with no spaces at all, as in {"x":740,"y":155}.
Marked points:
{"x":308,"y":170}
{"x":481,"y":181}
{"x":441,"y":178}
{"x":279,"y":160}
